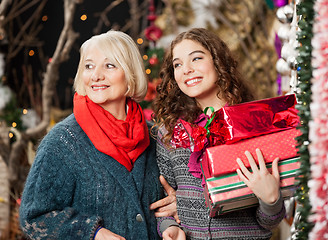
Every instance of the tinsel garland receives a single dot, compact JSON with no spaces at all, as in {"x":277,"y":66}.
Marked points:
{"x":305,"y":13}
{"x":318,"y":126}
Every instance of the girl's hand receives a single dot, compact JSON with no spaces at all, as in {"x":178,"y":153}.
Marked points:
{"x":174,"y":233}
{"x":264,"y":185}
{"x":166,"y":207}
{"x":105,"y":234}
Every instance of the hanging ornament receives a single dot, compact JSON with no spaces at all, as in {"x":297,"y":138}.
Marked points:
{"x":288,"y":50}
{"x":152,"y":33}
{"x":280,"y":3}
{"x":153,"y":60}
{"x":283,"y":33}
{"x":285,"y":14}
{"x":281,"y":15}
{"x":292,"y":62}
{"x":282,"y":67}
{"x":288,"y":11}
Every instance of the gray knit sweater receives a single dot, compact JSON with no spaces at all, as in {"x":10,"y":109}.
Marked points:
{"x":252,"y":223}
{"x":72,"y":188}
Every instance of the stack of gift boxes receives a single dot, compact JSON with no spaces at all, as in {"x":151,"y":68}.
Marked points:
{"x":224,"y":192}
{"x":268,"y":124}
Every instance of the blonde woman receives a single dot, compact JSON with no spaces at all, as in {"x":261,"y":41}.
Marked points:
{"x":95,"y":173}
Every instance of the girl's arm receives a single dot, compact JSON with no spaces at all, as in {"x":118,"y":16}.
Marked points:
{"x":166,"y":207}
{"x":266,"y":187}
{"x":166,"y":170}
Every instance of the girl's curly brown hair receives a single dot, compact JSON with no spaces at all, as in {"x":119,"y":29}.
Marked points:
{"x":171,"y":103}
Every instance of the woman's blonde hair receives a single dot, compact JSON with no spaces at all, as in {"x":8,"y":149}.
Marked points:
{"x":120,"y":48}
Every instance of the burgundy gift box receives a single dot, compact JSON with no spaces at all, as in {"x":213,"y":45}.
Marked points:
{"x":255,"y":118}
{"x":231,"y":124}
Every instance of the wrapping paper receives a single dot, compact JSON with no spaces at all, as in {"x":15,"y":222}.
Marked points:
{"x":221,"y":159}
{"x":238,"y":122}
{"x":255,"y":118}
{"x":227,"y":193}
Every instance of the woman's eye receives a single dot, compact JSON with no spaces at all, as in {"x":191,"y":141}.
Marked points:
{"x":109,"y":65}
{"x":88,"y":66}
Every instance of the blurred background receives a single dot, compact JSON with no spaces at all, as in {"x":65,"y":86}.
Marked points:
{"x":39,"y":54}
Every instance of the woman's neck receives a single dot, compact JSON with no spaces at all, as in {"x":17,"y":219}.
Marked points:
{"x":118,"y":109}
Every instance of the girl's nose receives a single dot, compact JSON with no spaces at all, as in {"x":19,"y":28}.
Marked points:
{"x":187,"y":68}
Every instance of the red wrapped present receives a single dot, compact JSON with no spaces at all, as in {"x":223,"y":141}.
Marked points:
{"x":250,"y":119}
{"x":221,"y":159}
{"x":238,"y":122}
{"x":227,"y":193}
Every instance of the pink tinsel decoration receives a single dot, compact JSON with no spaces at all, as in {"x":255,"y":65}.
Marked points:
{"x":319,"y":126}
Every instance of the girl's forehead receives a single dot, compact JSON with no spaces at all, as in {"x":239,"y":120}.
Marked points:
{"x":187,"y":43}
{"x":187,"y":47}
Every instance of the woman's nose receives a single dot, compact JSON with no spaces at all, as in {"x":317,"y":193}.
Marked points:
{"x":98,"y":75}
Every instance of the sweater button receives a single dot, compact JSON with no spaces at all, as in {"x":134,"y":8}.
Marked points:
{"x":139,"y":217}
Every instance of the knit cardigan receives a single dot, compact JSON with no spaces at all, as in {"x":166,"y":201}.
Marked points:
{"x":72,"y":188}
{"x":251,"y":223}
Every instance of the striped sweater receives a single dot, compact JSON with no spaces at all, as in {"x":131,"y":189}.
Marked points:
{"x":251,"y":223}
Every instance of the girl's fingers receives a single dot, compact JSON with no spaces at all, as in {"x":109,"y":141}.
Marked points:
{"x":251,"y":161}
{"x":260,"y":159}
{"x":275,"y":169}
{"x":243,"y":169}
{"x":242,"y":176}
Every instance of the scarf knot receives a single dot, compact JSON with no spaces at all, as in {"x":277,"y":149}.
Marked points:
{"x":124,"y":140}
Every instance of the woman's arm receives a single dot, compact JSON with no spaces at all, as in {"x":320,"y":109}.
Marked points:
{"x":105,"y":234}
{"x":46,"y":209}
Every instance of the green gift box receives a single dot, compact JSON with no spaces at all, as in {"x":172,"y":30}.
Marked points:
{"x":227,"y":193}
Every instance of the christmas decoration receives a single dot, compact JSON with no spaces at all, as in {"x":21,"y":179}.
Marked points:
{"x":176,"y":13}
{"x":318,"y":131}
{"x":152,"y":60}
{"x":280,"y":3}
{"x":286,"y":65}
{"x":9,"y":112}
{"x":30,"y":118}
{"x":152,"y":33}
{"x":5,"y":95}
{"x":305,"y":12}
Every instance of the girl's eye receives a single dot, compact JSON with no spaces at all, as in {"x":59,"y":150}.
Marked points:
{"x":177,"y":65}
{"x":197,"y":58}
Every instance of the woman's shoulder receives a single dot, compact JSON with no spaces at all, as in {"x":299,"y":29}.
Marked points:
{"x":58,"y":143}
{"x":68,"y":124}
{"x":64,"y":131}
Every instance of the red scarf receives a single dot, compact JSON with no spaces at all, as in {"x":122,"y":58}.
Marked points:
{"x":125,"y":140}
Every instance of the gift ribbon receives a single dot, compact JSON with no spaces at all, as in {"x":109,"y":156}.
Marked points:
{"x":209,"y":121}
